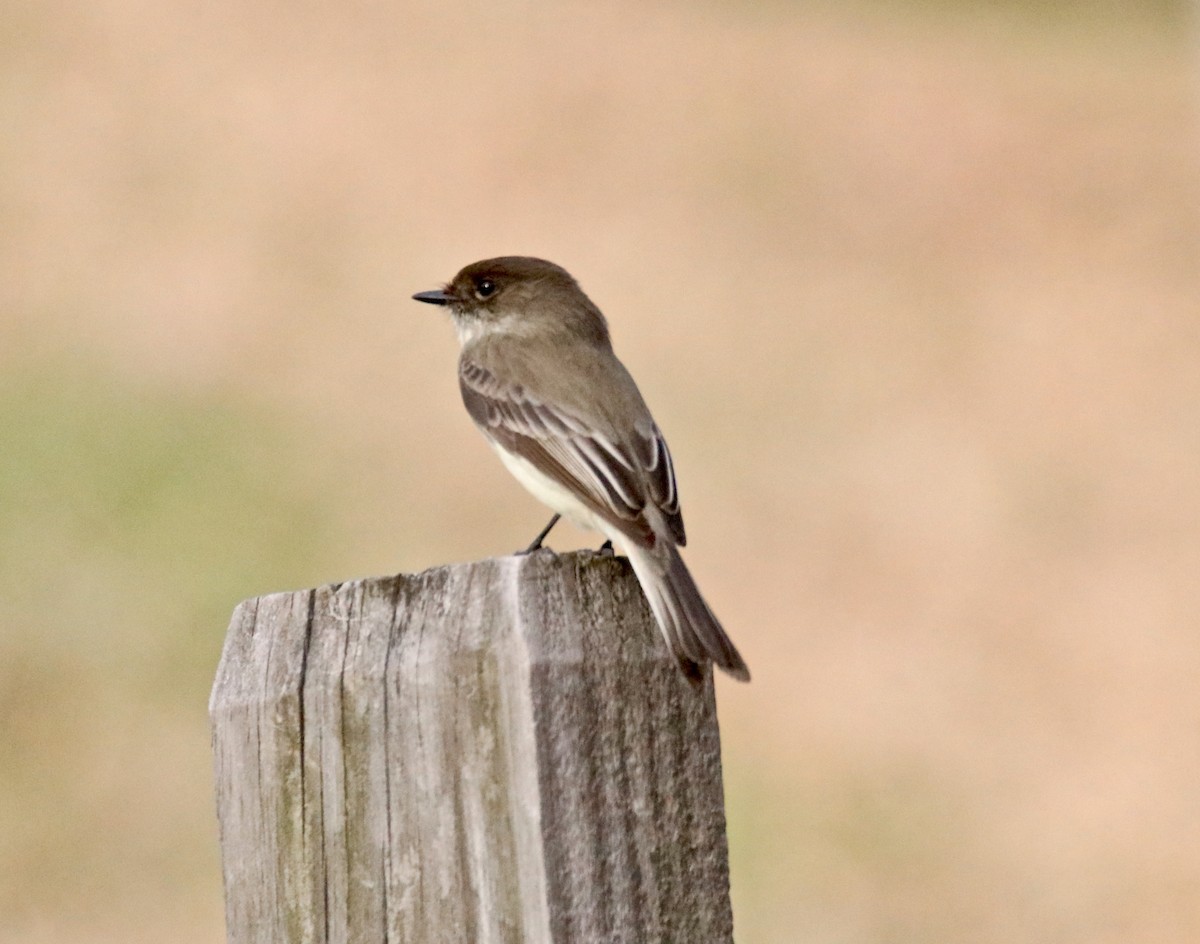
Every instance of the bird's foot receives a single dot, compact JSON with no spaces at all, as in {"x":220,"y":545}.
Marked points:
{"x":537,"y":542}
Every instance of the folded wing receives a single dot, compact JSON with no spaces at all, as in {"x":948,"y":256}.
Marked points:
{"x":618,"y":480}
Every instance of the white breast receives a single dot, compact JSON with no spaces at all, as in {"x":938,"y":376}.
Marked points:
{"x":552,"y":494}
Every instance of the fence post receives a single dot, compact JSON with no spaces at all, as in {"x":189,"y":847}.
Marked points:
{"x":482,"y":753}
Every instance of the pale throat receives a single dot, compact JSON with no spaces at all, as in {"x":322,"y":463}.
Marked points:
{"x":471,"y":329}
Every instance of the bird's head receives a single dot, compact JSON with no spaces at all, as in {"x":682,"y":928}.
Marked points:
{"x":517,"y":295}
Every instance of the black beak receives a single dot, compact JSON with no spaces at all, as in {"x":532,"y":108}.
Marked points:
{"x":434,"y":298}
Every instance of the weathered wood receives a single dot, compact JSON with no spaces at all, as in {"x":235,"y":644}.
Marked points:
{"x":490,"y":752}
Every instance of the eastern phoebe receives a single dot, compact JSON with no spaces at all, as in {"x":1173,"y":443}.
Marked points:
{"x":539,"y":377}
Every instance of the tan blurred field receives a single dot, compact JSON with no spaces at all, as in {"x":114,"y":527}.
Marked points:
{"x":914,"y":290}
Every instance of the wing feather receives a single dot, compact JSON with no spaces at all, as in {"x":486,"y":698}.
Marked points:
{"x":615,"y":481}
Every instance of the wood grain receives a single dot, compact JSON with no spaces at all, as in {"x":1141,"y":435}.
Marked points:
{"x":492,"y":752}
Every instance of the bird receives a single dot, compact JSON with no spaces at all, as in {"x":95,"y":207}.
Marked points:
{"x":539,"y":377}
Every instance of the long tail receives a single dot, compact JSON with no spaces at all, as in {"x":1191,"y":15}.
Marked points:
{"x":692,"y":632}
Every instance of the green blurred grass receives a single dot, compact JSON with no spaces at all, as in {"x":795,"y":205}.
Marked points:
{"x":139,"y":515}
{"x":132,"y":519}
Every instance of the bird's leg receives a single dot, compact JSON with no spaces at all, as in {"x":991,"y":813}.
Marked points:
{"x":606,"y":549}
{"x":537,"y":542}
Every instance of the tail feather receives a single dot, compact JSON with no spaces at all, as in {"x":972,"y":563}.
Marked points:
{"x":692,"y":633}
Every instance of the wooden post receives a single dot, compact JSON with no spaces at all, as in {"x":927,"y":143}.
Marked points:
{"x":491,"y":752}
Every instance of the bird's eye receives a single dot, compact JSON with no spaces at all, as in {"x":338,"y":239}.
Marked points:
{"x":484,"y":288}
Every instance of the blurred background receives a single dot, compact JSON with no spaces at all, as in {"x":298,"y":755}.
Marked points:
{"x":912,"y":287}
